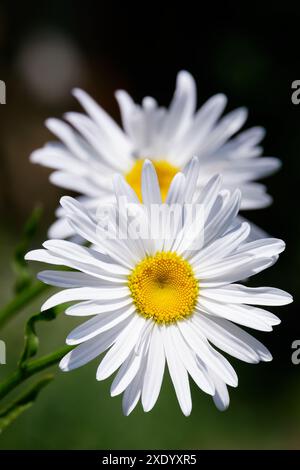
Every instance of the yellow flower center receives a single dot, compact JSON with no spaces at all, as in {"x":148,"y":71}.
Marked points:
{"x":165,"y":173}
{"x":164,"y":288}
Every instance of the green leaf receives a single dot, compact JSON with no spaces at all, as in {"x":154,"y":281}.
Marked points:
{"x":31,"y":343}
{"x":9,"y":414}
{"x":24,"y":276}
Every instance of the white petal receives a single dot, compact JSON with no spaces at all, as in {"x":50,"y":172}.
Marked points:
{"x":207,"y":354}
{"x":103,"y":120}
{"x":225,"y":340}
{"x":98,"y":324}
{"x":122,"y":188}
{"x":252,"y":168}
{"x":245,"y":144}
{"x":264,"y":247}
{"x":224,"y":219}
{"x":209,"y":193}
{"x":212,"y":269}
{"x":121,"y":349}
{"x":256,"y":232}
{"x":105,"y":155}
{"x":83,"y":258}
{"x":127,"y":108}
{"x":150,"y":186}
{"x":80,"y":220}
{"x":60,"y":229}
{"x":176,"y":190}
{"x":200,"y":127}
{"x":44,"y":257}
{"x":89,"y":307}
{"x":86,"y":352}
{"x":133,"y":391}
{"x":82,"y":223}
{"x":246,"y":315}
{"x":154,"y":370}
{"x":74,"y":279}
{"x":262,"y":352}
{"x":237,"y":293}
{"x":191,"y":171}
{"x":228,"y":125}
{"x":58,"y":158}
{"x":246,"y":269}
{"x":66,"y":134}
{"x":178,"y":374}
{"x":197,"y":371}
{"x":254,"y":196}
{"x":128,"y":370}
{"x":221,"y":396}
{"x":75,"y":183}
{"x":181,"y":108}
{"x":222,"y":246}
{"x":84,"y":293}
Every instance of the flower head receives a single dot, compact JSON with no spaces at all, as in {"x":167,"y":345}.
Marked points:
{"x":93,"y":147}
{"x":164,"y":300}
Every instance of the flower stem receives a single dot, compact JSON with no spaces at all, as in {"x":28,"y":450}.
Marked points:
{"x":30,"y":368}
{"x":21,"y":300}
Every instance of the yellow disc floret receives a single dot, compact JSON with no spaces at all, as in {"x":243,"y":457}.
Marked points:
{"x":164,"y":287}
{"x":165,"y":173}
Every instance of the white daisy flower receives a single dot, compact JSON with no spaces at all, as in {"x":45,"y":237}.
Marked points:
{"x":93,"y":147}
{"x":158,"y":302}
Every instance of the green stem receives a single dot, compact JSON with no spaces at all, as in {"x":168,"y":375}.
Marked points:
{"x":21,"y":300}
{"x":30,"y":368}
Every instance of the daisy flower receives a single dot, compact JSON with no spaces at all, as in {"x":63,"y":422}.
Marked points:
{"x":157,"y":302}
{"x":93,"y":147}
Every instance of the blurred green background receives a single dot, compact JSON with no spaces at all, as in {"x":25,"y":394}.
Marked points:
{"x":46,"y":48}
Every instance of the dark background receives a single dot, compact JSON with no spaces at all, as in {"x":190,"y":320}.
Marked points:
{"x":250,"y":53}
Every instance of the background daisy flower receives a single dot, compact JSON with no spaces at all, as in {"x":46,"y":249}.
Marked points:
{"x":159,"y":302}
{"x":93,"y":147}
